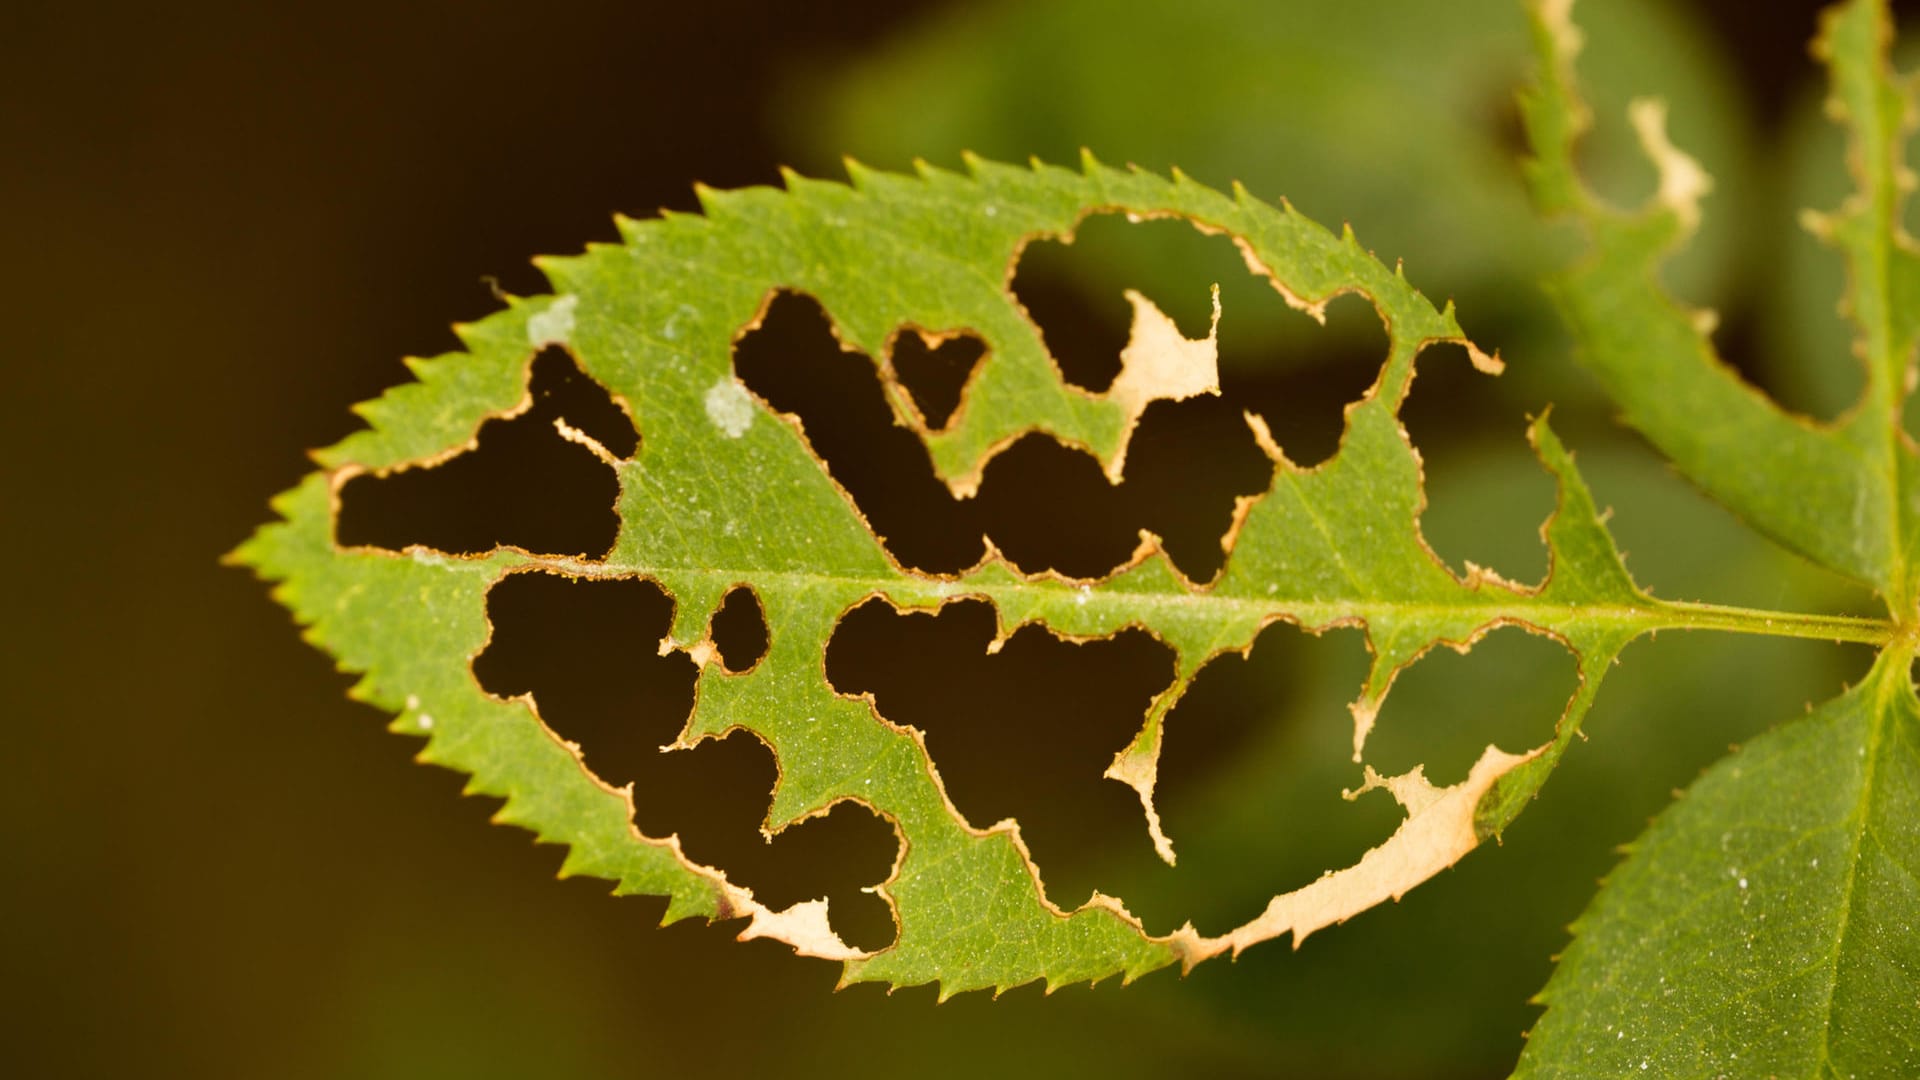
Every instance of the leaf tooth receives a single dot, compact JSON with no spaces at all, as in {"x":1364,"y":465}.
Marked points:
{"x":473,"y":335}
{"x":719,"y":203}
{"x":859,"y":175}
{"x":515,"y":811}
{"x":681,"y":906}
{"x":575,"y":864}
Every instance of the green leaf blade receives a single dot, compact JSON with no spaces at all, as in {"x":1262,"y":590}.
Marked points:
{"x":1765,"y":924}
{"x":1883,"y":268}
{"x":724,"y":492}
{"x":1827,"y":492}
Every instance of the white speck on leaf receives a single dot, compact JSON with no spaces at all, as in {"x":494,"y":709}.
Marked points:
{"x":425,"y":722}
{"x":554,"y":326}
{"x":670,"y":330}
{"x":729,"y":407}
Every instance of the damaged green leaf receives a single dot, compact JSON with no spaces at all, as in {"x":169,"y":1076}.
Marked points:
{"x":724,"y":492}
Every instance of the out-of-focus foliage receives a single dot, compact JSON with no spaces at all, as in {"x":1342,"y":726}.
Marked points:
{"x":1396,"y":116}
{"x":1804,"y":279}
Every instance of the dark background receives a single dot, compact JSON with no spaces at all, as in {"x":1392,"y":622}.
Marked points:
{"x":224,"y":223}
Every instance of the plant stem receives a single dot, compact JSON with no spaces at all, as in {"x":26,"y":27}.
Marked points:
{"x":1835,"y":628}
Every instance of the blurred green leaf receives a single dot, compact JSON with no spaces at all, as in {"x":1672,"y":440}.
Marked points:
{"x":1837,"y":493}
{"x":1807,"y":284}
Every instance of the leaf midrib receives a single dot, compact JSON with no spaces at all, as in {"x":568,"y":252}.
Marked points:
{"x":1653,"y":615}
{"x":1884,"y":688}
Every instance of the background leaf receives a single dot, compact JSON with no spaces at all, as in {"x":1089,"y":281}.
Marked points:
{"x":1764,"y":924}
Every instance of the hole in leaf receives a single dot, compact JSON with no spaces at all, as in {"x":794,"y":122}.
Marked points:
{"x":523,"y":486}
{"x":935,"y":376}
{"x":1501,"y":120}
{"x":1487,"y":493}
{"x":1084,"y":333}
{"x":1050,"y":507}
{"x":587,"y":652}
{"x":559,"y":385}
{"x":793,"y":361}
{"x":739,"y":630}
{"x":1251,"y":768}
{"x":1189,"y":461}
{"x":1023,"y":733}
{"x":1302,"y":384}
{"x":1274,"y":361}
{"x":1445,"y":709}
{"x":1047,"y":506}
